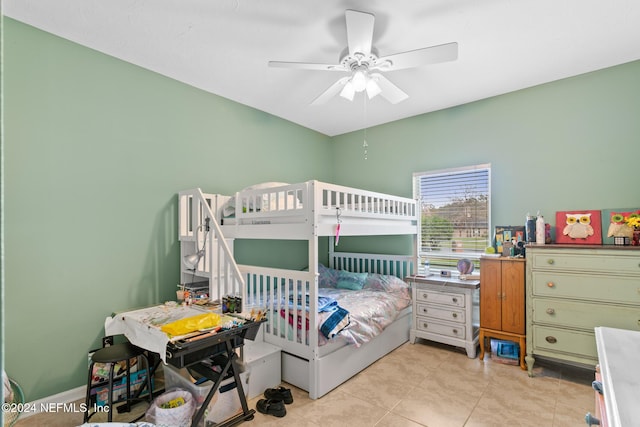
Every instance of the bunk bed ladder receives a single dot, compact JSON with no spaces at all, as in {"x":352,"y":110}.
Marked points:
{"x":200,"y":231}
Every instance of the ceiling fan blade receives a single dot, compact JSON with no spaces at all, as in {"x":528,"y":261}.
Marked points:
{"x":333,"y":90}
{"x":419,"y":57}
{"x":390,"y":92}
{"x":359,"y":31}
{"x":307,"y":66}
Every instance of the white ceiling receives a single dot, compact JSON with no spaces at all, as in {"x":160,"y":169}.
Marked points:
{"x":223,"y":46}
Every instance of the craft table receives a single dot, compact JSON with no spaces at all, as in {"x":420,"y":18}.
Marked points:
{"x":142,"y":328}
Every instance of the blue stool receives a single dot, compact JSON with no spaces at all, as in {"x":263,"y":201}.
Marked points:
{"x":113,"y":354}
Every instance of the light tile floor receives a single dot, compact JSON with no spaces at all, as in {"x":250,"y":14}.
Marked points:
{"x":428,"y":384}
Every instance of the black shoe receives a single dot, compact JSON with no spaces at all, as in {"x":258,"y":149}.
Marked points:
{"x":271,"y":407}
{"x":279,"y":393}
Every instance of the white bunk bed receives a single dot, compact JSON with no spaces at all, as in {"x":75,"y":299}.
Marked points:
{"x":302,"y":211}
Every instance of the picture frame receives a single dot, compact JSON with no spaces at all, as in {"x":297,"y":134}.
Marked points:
{"x":506,"y":233}
{"x":606,"y":222}
{"x":579,"y":227}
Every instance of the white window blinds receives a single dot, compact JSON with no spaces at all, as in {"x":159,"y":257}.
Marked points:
{"x":455,"y":213}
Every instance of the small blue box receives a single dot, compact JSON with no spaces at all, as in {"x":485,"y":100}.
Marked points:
{"x":507,"y":349}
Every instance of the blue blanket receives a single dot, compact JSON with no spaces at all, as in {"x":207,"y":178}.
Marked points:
{"x":336,"y":322}
{"x":324,"y":303}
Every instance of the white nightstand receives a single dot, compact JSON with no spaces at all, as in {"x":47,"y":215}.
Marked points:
{"x":446,"y":310}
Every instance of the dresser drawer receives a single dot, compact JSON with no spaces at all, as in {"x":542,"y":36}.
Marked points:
{"x":624,"y":290}
{"x":585,"y":315}
{"x":440,"y":327}
{"x":585,"y":262}
{"x":441,"y":312}
{"x":435,"y":297}
{"x":562,"y":341}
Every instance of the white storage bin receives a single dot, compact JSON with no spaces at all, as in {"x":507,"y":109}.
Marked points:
{"x":223,"y":405}
{"x":264,"y":362}
{"x":180,"y":378}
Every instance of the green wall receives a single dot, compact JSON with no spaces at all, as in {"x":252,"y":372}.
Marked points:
{"x":570,"y":144}
{"x":96,"y":150}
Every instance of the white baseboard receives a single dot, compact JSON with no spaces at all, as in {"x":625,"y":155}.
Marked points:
{"x":68,"y":396}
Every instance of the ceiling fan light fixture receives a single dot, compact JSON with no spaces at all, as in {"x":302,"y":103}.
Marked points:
{"x":359,"y":80}
{"x":348,"y":91}
{"x":372,"y":88}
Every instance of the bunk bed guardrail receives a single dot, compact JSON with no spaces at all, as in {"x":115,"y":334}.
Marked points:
{"x":291,"y":301}
{"x":270,"y":203}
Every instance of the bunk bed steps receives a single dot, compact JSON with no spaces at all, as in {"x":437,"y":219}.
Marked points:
{"x":263,"y":361}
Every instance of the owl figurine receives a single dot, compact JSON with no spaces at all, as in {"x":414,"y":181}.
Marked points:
{"x":578,"y":226}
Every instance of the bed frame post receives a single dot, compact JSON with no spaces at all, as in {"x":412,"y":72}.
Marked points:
{"x":313,"y":297}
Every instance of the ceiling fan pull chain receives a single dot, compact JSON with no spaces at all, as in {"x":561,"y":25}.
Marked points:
{"x":364,"y":144}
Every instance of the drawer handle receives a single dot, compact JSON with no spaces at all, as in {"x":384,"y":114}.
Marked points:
{"x":454,"y":299}
{"x":551,"y":340}
{"x":424,"y":310}
{"x":551,"y":311}
{"x":455,"y":331}
{"x":424,"y":296}
{"x":551,"y":284}
{"x":455,"y":315}
{"x":550,"y":261}
{"x":424,"y":325}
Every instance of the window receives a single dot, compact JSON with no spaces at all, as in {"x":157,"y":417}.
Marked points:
{"x":455,"y":214}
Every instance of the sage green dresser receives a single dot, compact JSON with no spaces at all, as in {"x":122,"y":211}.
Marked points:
{"x":571,"y":289}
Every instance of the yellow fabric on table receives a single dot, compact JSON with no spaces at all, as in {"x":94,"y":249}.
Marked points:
{"x":191,"y":324}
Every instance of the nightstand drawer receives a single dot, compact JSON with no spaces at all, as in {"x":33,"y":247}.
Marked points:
{"x":445,"y":298}
{"x":624,"y":290}
{"x":564,"y":341}
{"x":585,"y":262}
{"x":440,"y":312}
{"x":440,"y":327}
{"x":585,"y":315}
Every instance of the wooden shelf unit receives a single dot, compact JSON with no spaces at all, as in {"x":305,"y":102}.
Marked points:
{"x":502,"y":302}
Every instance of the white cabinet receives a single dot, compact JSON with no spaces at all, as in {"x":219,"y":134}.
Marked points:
{"x":446,"y":310}
{"x":619,"y":376}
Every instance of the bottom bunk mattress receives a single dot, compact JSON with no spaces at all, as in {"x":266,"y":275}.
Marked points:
{"x":353,"y":308}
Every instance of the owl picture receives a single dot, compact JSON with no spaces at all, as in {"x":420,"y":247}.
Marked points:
{"x":578,"y":225}
{"x":618,"y":226}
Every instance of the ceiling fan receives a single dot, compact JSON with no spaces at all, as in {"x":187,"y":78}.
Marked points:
{"x":360,"y":59}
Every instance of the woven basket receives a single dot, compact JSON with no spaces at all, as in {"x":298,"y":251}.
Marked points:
{"x":10,"y":417}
